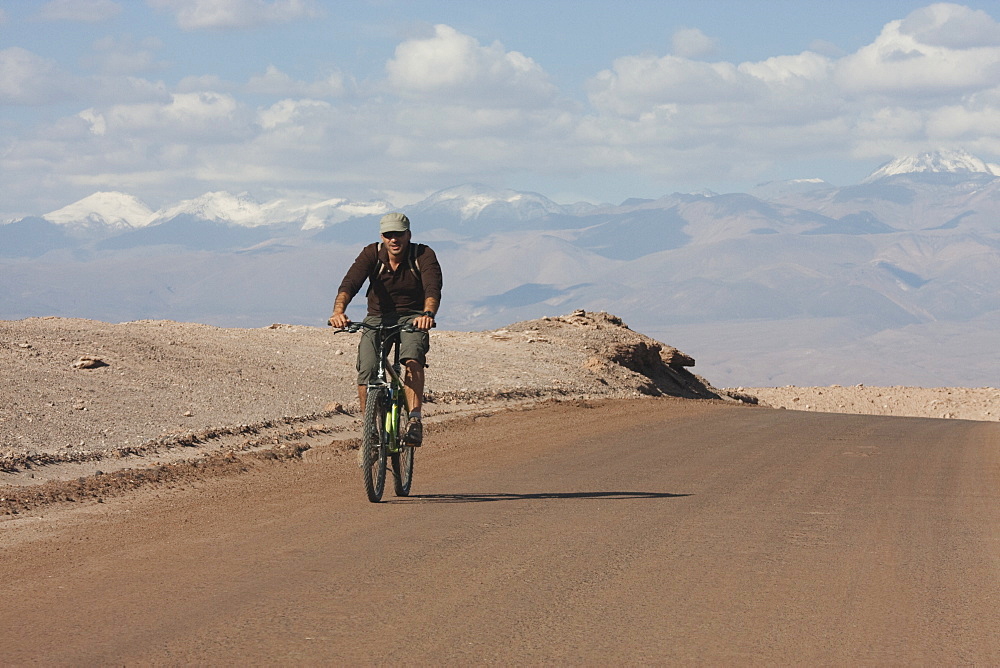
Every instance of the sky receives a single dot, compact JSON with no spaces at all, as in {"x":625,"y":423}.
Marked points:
{"x":580,"y":100}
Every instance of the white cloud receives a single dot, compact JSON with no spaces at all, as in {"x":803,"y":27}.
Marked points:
{"x":84,"y":11}
{"x":28,"y":79}
{"x":926,"y":55}
{"x":200,"y":14}
{"x":957,"y":123}
{"x":98,"y":125}
{"x":805,"y":67}
{"x":451,"y":109}
{"x":638,"y":85}
{"x":451,"y":66}
{"x":291,"y":113}
{"x":645,"y":84}
{"x":692,"y":43}
{"x":951,"y":26}
{"x":927,"y":81}
{"x":275,"y":82}
{"x":202,"y":117}
{"x":890,"y":123}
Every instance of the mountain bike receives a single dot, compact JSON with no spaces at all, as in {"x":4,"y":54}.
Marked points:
{"x":386,"y":410}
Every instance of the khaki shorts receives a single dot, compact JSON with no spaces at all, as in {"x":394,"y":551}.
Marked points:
{"x":412,"y":345}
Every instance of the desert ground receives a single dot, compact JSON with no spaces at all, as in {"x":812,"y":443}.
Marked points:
{"x":174,"y":493}
{"x":84,"y":397}
{"x":960,"y":403}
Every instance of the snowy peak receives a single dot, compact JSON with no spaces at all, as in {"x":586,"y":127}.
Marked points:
{"x":472,"y":200}
{"x":109,"y":211}
{"x":941,"y":161}
{"x":337,"y":210}
{"x":221,"y":207}
{"x":114,"y":210}
{"x":244,"y":211}
{"x":118,"y":211}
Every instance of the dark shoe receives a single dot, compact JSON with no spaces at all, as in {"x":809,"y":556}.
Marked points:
{"x":414,"y":432}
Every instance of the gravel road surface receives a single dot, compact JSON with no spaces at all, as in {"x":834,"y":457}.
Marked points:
{"x":610,"y":531}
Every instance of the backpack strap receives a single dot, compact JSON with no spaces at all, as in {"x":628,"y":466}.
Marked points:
{"x":415,"y":251}
{"x":379,"y":264}
{"x":377,"y":269}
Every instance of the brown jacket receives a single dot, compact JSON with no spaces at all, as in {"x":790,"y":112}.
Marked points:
{"x":395,"y":291}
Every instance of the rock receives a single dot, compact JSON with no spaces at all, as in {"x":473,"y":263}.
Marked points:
{"x":675,"y":358}
{"x":89,"y":362}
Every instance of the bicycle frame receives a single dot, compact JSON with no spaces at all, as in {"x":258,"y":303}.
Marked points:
{"x":386,"y":338}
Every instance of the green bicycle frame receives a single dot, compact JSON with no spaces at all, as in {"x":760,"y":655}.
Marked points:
{"x":397,"y":400}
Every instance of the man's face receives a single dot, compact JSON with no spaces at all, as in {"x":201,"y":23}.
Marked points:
{"x":396,"y":242}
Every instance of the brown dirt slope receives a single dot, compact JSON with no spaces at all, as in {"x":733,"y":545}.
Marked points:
{"x":88,"y":399}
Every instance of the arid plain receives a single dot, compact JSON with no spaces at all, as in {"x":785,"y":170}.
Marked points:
{"x":180,"y":494}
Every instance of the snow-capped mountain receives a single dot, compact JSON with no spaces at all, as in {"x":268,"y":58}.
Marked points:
{"x":474,"y":202}
{"x":798,"y":282}
{"x":470,"y":202}
{"x":938,"y":162}
{"x":337,"y":210}
{"x":115,"y":210}
{"x":120,"y":211}
{"x":222,"y":207}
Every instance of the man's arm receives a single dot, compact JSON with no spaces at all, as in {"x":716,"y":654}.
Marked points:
{"x":339,"y":319}
{"x":430,"y":277}
{"x":352,"y":282}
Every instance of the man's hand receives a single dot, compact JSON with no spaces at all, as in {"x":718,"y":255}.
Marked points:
{"x":339,"y":320}
{"x":423,"y":322}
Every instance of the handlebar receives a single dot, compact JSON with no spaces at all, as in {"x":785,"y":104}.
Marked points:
{"x":358,"y":326}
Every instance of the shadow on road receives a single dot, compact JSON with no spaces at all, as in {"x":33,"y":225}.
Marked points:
{"x":510,"y":496}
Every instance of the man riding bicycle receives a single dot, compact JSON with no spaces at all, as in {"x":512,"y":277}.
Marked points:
{"x":404,"y":285}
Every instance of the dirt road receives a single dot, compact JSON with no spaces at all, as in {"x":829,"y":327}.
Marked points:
{"x":634,"y":531}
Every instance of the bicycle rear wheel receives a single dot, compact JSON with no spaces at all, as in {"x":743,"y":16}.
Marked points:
{"x":373,"y":445}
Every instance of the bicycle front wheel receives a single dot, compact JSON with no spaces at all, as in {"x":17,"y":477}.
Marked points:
{"x":373,"y":445}
{"x":402,"y":470}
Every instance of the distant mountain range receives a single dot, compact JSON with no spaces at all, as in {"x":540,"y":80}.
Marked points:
{"x":895,"y":280}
